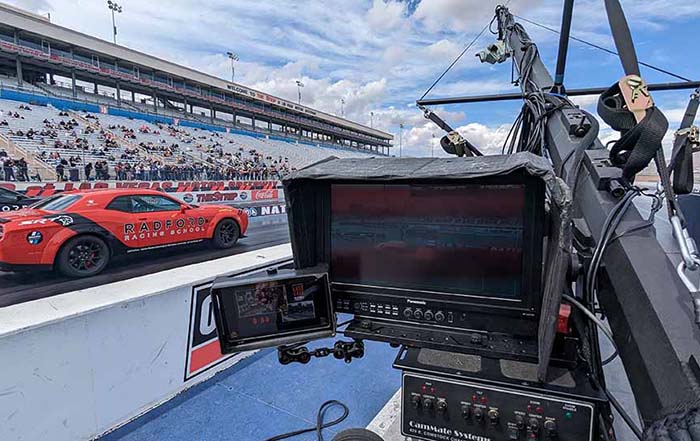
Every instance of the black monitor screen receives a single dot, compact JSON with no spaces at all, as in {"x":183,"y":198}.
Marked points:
{"x":273,"y":307}
{"x":465,"y":239}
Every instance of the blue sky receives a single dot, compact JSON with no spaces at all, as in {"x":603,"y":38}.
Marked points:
{"x":379,"y":56}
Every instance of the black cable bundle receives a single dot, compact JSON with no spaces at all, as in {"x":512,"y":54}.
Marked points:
{"x":528,"y":130}
{"x":320,"y":425}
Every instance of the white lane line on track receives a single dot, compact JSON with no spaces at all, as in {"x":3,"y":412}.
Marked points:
{"x":386,"y":423}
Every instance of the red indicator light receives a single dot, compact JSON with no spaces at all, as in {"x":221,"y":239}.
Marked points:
{"x":540,"y":410}
{"x":563,"y":319}
{"x":483,"y":400}
{"x":529,"y":408}
{"x":432,"y":389}
{"x":474,"y":398}
{"x":298,"y":290}
{"x":424,"y":388}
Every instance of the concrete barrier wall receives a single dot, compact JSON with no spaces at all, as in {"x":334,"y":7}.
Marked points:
{"x":77,"y":365}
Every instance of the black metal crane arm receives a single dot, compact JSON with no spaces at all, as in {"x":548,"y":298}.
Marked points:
{"x":639,"y":284}
{"x":648,"y":307}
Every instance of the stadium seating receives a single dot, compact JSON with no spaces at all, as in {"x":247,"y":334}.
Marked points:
{"x":44,"y":146}
{"x":124,"y":143}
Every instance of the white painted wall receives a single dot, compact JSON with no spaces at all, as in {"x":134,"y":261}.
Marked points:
{"x":76,"y":365}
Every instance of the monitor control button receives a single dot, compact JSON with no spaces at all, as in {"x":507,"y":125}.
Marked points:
{"x":418,"y":314}
{"x":493,"y":416}
{"x":534,"y":425}
{"x":416,"y":401}
{"x":551,"y":428}
{"x":439,"y":316}
{"x":408,"y":313}
{"x":429,"y":315}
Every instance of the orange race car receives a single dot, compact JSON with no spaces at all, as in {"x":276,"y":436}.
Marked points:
{"x":78,"y":233}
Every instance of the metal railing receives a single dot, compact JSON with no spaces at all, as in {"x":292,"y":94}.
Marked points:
{"x":78,"y":174}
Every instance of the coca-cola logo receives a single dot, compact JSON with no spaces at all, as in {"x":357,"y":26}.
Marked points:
{"x":265,"y":195}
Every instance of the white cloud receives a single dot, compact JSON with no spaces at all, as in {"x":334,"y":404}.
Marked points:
{"x":460,"y":15}
{"x":385,"y":15}
{"x":424,"y":139}
{"x":442,"y":50}
{"x":585,"y":101}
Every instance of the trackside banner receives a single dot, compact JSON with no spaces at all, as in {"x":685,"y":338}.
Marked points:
{"x":169,"y":186}
{"x":189,"y":192}
{"x":233,"y":196}
{"x":203,"y":351}
{"x":266,"y":210}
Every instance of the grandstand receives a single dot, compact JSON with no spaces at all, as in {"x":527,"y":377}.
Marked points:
{"x":131,"y":148}
{"x":43,"y":63}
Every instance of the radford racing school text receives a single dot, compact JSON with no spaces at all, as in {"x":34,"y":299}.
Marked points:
{"x":163,"y":228}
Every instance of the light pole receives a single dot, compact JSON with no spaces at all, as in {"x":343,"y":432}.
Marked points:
{"x":371,"y":120}
{"x":299,"y":86}
{"x":83,"y":163}
{"x":400,"y":140}
{"x":114,"y":7}
{"x":234,"y":57}
{"x":432,"y":147}
{"x":342,"y":107}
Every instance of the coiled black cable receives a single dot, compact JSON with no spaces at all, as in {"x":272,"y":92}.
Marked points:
{"x":320,"y":425}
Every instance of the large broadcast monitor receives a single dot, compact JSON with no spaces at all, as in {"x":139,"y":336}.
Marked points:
{"x":465,"y":240}
{"x":419,"y":258}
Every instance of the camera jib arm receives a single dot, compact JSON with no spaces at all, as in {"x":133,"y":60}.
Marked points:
{"x":648,"y":307}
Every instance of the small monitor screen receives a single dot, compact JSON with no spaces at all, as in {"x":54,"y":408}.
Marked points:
{"x":461,"y":239}
{"x":268,"y":309}
{"x":272,"y":307}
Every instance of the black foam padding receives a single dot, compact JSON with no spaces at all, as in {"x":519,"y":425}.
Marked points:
{"x":451,"y":360}
{"x":519,"y":370}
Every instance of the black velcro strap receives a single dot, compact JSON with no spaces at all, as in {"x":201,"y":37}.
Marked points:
{"x":639,"y":142}
{"x":682,"y":166}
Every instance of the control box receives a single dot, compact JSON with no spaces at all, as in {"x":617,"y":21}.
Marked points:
{"x":446,"y":409}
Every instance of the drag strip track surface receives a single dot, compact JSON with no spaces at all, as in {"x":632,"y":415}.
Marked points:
{"x":23,"y":287}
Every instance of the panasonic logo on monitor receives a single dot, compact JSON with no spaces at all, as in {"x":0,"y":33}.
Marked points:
{"x":416,"y":302}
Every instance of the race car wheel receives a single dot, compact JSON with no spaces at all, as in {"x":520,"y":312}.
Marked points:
{"x":226,"y":234}
{"x":83,"y":256}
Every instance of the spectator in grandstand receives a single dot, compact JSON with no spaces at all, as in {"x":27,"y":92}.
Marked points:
{"x":22,"y":170}
{"x":61,"y":170}
{"x":88,"y":171}
{"x":8,"y":169}
{"x":101,"y":170}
